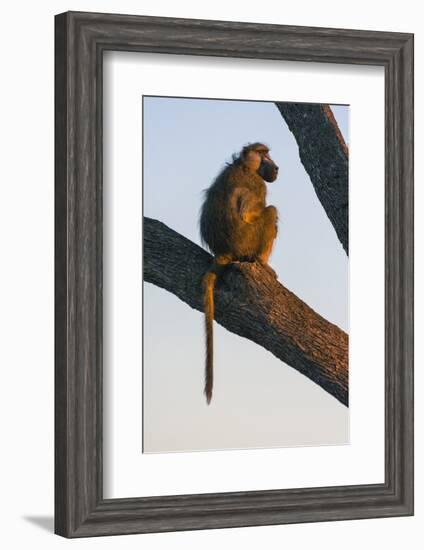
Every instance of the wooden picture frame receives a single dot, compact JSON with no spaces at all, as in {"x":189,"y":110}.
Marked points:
{"x":80,"y":40}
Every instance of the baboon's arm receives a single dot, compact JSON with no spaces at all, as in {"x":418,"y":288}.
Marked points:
{"x":247,"y":205}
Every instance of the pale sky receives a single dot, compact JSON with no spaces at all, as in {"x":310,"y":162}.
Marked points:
{"x":258,"y":400}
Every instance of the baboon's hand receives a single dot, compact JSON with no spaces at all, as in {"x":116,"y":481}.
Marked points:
{"x":246,"y":204}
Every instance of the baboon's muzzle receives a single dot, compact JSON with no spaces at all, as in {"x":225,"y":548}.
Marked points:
{"x":268,"y":171}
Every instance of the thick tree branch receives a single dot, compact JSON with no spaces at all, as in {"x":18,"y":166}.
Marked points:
{"x":324,"y":155}
{"x":250,"y":302}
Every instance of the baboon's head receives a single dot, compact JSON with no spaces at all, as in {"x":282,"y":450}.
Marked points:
{"x":256,"y":157}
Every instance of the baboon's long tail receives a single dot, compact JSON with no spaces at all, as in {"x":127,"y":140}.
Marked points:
{"x":209,"y":281}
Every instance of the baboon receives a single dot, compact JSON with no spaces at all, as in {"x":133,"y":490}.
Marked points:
{"x":236,"y":225}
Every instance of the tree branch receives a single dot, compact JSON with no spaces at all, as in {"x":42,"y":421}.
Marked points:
{"x":324,"y":155}
{"x":250,"y":302}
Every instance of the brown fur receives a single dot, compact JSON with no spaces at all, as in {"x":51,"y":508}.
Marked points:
{"x":236,"y":225}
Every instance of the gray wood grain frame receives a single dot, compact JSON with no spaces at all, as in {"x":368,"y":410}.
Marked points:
{"x":80,"y":40}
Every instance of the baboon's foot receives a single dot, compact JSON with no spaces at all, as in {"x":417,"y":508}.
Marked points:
{"x":266,"y":266}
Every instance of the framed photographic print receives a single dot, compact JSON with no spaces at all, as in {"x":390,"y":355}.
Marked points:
{"x":234,"y":274}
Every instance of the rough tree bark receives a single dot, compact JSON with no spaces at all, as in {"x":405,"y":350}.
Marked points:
{"x":324,"y":155}
{"x":250,"y":302}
